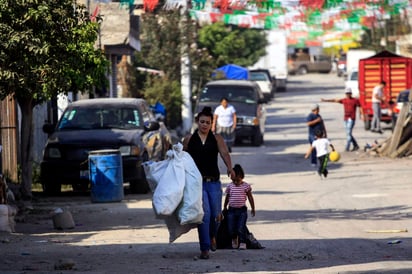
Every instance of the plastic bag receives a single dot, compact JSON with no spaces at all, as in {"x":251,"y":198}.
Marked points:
{"x":165,"y":178}
{"x":169,"y":191}
{"x":191,"y":210}
{"x":154,"y":171}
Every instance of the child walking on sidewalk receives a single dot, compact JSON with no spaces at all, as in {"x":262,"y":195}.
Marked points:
{"x":237,"y":192}
{"x":321,"y":145}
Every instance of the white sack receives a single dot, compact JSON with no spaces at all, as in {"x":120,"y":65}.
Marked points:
{"x":154,"y":171}
{"x":191,"y":210}
{"x":169,"y":191}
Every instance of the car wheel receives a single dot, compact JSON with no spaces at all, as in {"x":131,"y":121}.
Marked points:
{"x":140,"y":186}
{"x":51,"y":188}
{"x":257,"y":140}
{"x":81,"y":186}
{"x":302,"y":70}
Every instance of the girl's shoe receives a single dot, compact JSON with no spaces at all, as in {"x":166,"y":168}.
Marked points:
{"x":213,"y":245}
{"x":242,"y":246}
{"x":235,"y":243}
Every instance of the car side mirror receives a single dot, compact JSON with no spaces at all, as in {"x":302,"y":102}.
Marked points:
{"x":48,"y":128}
{"x":150,"y":126}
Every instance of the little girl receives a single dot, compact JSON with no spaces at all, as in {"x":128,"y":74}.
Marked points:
{"x":237,"y":192}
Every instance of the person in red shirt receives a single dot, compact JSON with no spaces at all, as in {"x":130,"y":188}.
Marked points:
{"x":350,"y":104}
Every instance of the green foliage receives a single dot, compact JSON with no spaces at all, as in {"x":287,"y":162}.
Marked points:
{"x":161,"y":47}
{"x":47,"y":48}
{"x":168,"y":93}
{"x":232,"y":45}
{"x":386,"y":30}
{"x":165,"y":35}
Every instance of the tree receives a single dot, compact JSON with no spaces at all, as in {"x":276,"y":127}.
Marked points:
{"x":47,"y":48}
{"x":232,"y":45}
{"x":209,"y":47}
{"x":387,"y":31}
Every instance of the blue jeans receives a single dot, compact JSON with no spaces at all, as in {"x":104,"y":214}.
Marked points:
{"x":349,"y":124}
{"x":212,"y":207}
{"x":376,"y":119}
{"x":236,"y":223}
{"x":313,"y":158}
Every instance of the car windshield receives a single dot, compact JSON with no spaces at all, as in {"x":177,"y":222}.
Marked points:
{"x":95,"y":118}
{"x":259,"y":77}
{"x":354,"y":76}
{"x":403,"y":96}
{"x":232,"y":93}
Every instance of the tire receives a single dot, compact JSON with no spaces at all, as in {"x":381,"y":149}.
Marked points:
{"x":82,"y":186}
{"x":302,"y":70}
{"x":51,"y":188}
{"x":140,"y":186}
{"x":257,"y":140}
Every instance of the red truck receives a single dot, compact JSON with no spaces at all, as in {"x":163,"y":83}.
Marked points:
{"x":386,"y":66}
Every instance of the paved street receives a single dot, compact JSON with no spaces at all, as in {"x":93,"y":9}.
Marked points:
{"x":343,"y":224}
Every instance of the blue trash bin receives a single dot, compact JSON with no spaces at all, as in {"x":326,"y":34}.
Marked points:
{"x":106,"y":175}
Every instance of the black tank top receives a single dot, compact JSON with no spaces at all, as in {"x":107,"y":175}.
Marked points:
{"x":204,"y":155}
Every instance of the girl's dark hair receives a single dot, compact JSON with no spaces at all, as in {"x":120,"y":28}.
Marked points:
{"x":239,"y":171}
{"x":224,"y":98}
{"x":206,"y":111}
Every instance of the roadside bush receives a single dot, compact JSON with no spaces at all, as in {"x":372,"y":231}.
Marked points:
{"x":169,"y":94}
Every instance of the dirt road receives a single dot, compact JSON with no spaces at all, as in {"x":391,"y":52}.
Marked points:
{"x":352,"y":222}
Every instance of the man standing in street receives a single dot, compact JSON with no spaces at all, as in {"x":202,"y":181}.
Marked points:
{"x":377,"y":98}
{"x":315,"y":123}
{"x":349,"y":107}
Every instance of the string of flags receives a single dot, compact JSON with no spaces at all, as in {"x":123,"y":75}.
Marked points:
{"x":312,"y":22}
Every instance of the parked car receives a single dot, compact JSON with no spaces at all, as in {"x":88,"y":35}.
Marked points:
{"x":248,"y":100}
{"x":401,"y":99}
{"x":265,"y":81}
{"x":124,"y":124}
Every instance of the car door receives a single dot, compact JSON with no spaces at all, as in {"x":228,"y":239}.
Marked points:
{"x":324,"y":63}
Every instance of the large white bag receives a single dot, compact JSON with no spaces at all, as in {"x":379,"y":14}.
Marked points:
{"x":189,"y":211}
{"x":154,"y":172}
{"x":169,"y":191}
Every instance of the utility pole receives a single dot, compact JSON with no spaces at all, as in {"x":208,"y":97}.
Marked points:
{"x":185,"y":74}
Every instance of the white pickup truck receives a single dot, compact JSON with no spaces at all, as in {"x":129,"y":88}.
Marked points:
{"x":352,"y":64}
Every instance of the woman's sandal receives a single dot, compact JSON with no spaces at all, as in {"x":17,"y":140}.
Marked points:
{"x":204,"y":255}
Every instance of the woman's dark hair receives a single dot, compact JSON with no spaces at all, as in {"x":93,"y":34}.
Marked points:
{"x":239,"y":171}
{"x":206,"y":111}
{"x":224,"y":98}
